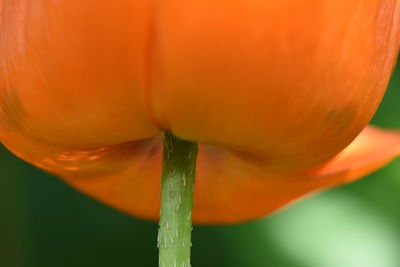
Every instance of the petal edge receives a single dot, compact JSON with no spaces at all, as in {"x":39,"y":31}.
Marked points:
{"x":371,"y":150}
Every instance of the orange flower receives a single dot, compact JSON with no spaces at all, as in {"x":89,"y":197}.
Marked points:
{"x":272,"y":91}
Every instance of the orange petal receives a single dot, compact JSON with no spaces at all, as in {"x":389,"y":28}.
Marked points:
{"x":73,"y":73}
{"x":273,"y":79}
{"x":372,"y":149}
{"x":229,"y":189}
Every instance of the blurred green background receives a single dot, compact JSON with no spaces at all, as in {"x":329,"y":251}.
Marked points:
{"x":45,"y":223}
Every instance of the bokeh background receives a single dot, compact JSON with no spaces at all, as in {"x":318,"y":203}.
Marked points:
{"x":45,"y":223}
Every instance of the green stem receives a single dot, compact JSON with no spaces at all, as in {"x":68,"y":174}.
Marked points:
{"x":177,"y":187}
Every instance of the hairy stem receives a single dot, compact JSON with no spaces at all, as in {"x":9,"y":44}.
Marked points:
{"x":177,"y":187}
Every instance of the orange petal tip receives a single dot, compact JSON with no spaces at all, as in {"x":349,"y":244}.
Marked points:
{"x":371,"y":150}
